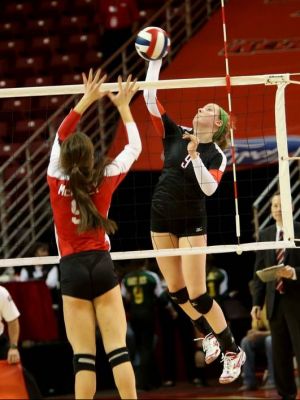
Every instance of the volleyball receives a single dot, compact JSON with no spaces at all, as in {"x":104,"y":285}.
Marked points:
{"x":152,"y":43}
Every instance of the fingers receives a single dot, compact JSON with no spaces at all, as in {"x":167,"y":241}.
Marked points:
{"x":13,"y":357}
{"x":84,"y":78}
{"x":189,"y":136}
{"x":93,"y":79}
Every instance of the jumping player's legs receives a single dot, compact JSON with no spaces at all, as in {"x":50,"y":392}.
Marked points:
{"x":171,"y":269}
{"x":194,"y":272}
{"x":79,"y":317}
{"x":112,"y":323}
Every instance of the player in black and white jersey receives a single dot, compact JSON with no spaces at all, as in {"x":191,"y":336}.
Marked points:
{"x":80,"y":193}
{"x":193,"y":167}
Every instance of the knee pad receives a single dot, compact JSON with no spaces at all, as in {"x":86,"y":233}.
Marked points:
{"x":118,"y":356}
{"x":83,"y":362}
{"x":203,"y":303}
{"x":180,"y":297}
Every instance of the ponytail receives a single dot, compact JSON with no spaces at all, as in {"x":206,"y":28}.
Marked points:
{"x":76,"y":155}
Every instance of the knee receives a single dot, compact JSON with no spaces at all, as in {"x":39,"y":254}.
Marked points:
{"x":203,"y":303}
{"x":84,"y":362}
{"x":118,"y":356}
{"x":180,"y":297}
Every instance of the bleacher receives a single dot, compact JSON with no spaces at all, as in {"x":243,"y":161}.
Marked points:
{"x":52,"y":43}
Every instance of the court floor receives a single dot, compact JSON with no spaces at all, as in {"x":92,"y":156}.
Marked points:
{"x":183,"y":390}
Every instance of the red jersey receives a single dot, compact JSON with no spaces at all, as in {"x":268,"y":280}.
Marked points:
{"x":65,"y":212}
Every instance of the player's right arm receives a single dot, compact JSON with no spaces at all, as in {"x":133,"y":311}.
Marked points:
{"x":92,"y":92}
{"x":155,"y":109}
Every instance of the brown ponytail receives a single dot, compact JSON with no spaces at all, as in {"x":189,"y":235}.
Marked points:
{"x":77,"y":161}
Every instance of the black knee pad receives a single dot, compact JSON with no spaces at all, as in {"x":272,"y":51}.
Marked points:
{"x":180,"y":297}
{"x":203,"y":303}
{"x":118,"y":356}
{"x":83,"y":362}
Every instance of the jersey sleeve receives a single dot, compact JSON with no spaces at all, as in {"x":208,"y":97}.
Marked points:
{"x":119,"y":167}
{"x":9,"y":309}
{"x":209,"y":177}
{"x":66,"y":128}
{"x":154,"y":107}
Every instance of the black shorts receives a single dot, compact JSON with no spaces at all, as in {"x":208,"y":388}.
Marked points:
{"x":167,"y":220}
{"x":87,"y":275}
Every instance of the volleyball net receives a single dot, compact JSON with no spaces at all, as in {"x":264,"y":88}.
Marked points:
{"x":266,"y":115}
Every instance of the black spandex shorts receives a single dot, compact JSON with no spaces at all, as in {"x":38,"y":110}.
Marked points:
{"x":87,"y":275}
{"x":180,"y":226}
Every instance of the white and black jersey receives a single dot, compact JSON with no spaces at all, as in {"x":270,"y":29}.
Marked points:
{"x":178,"y":203}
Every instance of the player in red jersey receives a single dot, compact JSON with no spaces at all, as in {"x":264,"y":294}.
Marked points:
{"x":80,"y":195}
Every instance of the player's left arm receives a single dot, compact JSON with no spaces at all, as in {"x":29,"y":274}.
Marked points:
{"x":209,"y":178}
{"x":67,"y":127}
{"x":92,"y":85}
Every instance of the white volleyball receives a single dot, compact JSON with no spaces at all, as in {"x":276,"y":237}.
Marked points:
{"x":152,"y":43}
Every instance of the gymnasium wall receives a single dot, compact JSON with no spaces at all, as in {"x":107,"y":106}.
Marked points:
{"x":263,"y":38}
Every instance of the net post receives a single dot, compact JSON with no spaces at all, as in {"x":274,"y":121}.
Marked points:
{"x":283,"y":163}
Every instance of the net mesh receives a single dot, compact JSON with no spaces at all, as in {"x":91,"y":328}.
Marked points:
{"x":30,"y":119}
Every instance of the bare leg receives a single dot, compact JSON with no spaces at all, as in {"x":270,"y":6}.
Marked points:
{"x":79,"y":316}
{"x":194,"y":272}
{"x":112,"y":323}
{"x":171,"y":268}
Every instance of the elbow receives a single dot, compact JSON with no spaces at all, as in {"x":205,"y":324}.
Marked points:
{"x":138,"y":150}
{"x":209,"y":191}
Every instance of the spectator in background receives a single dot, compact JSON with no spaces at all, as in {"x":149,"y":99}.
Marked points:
{"x":141,"y":290}
{"x":48,"y":273}
{"x":10,"y":314}
{"x":118,"y":21}
{"x":216,"y":280}
{"x":282,"y":298}
{"x":257,"y":340}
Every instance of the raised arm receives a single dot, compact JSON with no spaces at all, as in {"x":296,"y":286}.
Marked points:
{"x":132,"y":150}
{"x":92,"y":93}
{"x":155,"y":109}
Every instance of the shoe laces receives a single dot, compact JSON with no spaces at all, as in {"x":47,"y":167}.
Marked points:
{"x":208,"y":342}
{"x":227,"y":359}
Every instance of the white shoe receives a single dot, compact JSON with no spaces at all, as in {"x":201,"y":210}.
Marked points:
{"x":211,"y":348}
{"x":232,"y":366}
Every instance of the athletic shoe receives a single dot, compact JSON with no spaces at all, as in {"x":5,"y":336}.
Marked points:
{"x":211,"y":348}
{"x":232,"y":366}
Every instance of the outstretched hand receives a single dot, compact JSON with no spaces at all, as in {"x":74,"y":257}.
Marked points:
{"x":125,"y":93}
{"x":92,"y":85}
{"x":92,"y":92}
